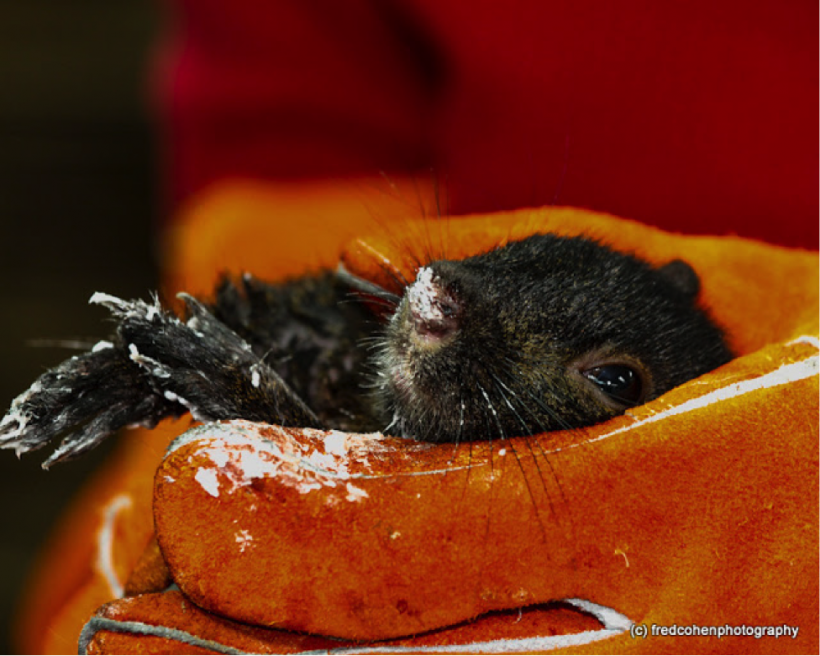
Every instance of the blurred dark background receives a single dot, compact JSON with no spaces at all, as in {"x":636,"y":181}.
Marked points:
{"x":78,"y":203}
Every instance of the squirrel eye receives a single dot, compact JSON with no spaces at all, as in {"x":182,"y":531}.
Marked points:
{"x":620,"y":382}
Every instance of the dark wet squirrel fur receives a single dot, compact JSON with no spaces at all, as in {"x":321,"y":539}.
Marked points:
{"x":541,"y":334}
{"x":544,"y":334}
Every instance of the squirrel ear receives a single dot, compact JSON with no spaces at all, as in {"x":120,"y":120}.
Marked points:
{"x":682,"y":276}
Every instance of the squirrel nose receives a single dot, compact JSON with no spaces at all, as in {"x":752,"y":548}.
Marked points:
{"x":434,"y":311}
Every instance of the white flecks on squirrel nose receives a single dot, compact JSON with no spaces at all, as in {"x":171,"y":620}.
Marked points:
{"x":434,"y":311}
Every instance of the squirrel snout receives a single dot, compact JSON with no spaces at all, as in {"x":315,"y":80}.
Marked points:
{"x":434,"y":312}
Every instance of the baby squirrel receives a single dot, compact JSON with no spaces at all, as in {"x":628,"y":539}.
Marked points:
{"x":537,"y":335}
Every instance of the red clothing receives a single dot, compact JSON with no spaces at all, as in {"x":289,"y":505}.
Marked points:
{"x":695,"y":116}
